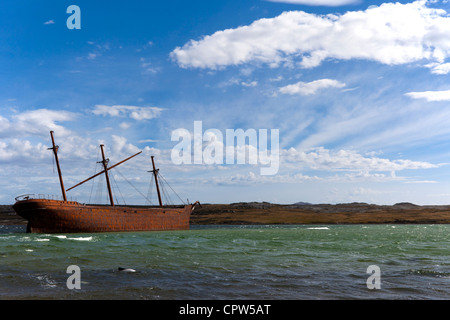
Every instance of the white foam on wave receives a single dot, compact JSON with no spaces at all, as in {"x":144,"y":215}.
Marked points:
{"x":319,"y":228}
{"x":46,"y":281}
{"x":44,"y":239}
{"x":7,"y":237}
{"x":81,"y":239}
{"x":60,"y":237}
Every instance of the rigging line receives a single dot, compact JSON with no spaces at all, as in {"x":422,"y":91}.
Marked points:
{"x":171,"y":188}
{"x":95,"y":170}
{"x":132,"y":185}
{"x":123,"y":198}
{"x":117,"y":187}
{"x":150,"y":191}
{"x":165,"y":183}
{"x":169,"y":198}
{"x":165,"y":195}
{"x":99,"y":191}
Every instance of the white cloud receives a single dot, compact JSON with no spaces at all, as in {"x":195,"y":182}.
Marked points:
{"x":92,"y":56}
{"x":308,"y":88}
{"x":134,"y":112}
{"x":4,"y":124}
{"x":147,"y":66}
{"x":252,"y":178}
{"x":316,"y":165}
{"x":329,"y":3}
{"x":120,"y":146}
{"x":430,"y":95}
{"x":35,"y":122}
{"x":437,"y":68}
{"x":249,"y":84}
{"x":125,"y":125}
{"x":21,"y":151}
{"x":279,"y":78}
{"x":392,"y":33}
{"x":347,"y":160}
{"x":49,"y":22}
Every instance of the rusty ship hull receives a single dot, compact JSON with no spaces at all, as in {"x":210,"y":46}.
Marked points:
{"x":63,"y":216}
{"x":56,"y":216}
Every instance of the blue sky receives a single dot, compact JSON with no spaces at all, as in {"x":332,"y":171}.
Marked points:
{"x":359,"y":92}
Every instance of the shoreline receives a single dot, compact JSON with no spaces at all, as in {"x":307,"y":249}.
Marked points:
{"x":300,"y":213}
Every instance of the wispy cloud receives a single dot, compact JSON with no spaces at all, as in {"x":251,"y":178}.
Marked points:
{"x":430,"y":95}
{"x":134,"y":112}
{"x":147,"y":66}
{"x":249,"y":83}
{"x":324,"y":159}
{"x":309,"y":88}
{"x":92,"y":56}
{"x":49,"y":22}
{"x":328,"y":3}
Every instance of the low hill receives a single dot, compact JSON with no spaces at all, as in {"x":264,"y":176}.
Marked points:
{"x":298,"y":213}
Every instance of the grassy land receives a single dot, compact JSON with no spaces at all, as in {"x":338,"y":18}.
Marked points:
{"x":352,"y":213}
{"x":267,"y":213}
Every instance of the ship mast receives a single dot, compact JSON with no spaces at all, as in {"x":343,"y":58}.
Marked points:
{"x":155,"y":173}
{"x":105,"y":166}
{"x":97,"y":174}
{"x":105,"y":171}
{"x":55,"y":151}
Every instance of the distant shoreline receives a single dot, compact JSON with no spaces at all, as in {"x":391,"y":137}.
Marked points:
{"x":9,"y":217}
{"x":300,"y":213}
{"x":304,"y":213}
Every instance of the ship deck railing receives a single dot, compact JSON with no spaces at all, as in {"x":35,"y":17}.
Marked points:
{"x":41,"y":196}
{"x":31,"y":196}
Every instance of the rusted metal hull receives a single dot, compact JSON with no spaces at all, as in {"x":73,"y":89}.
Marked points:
{"x":55,"y":216}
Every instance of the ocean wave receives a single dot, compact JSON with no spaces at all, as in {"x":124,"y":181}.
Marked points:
{"x":430,"y":273}
{"x":7,"y":237}
{"x":318,"y":228}
{"x":81,"y":238}
{"x":64,"y":237}
{"x":46,"y":281}
{"x":60,"y":237}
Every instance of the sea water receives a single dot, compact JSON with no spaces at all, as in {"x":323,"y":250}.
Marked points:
{"x":231,"y":262}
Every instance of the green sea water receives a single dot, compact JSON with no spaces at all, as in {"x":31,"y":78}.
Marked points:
{"x":230,"y":262}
